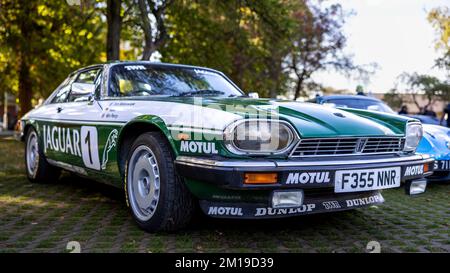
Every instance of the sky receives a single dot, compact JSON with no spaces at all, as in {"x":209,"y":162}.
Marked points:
{"x":393,"y":33}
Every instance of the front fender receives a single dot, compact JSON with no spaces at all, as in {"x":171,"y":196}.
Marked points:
{"x":150,"y":121}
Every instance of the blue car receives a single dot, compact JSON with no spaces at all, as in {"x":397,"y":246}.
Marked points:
{"x":435,"y":141}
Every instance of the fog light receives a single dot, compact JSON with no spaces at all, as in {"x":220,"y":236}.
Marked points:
{"x":416,"y":187}
{"x":287,"y":199}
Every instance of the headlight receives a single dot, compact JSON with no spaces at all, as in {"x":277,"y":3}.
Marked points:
{"x":259,"y":137}
{"x":413,"y":136}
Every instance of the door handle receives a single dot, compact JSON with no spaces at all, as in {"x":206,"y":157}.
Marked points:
{"x":59,"y":109}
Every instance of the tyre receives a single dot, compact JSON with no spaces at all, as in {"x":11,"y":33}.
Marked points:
{"x":157,"y":197}
{"x":37,"y":168}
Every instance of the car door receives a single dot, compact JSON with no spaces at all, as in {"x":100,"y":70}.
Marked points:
{"x":90,"y":138}
{"x":45,"y":119}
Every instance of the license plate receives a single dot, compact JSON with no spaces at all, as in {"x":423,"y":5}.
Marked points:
{"x":366,"y":180}
{"x":442,"y":165}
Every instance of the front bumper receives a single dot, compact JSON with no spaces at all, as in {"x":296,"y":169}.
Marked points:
{"x":319,"y":194}
{"x":311,"y":205}
{"x":230,"y":174}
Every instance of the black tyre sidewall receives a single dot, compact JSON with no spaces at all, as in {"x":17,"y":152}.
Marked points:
{"x":30,"y":177}
{"x":45,"y":172}
{"x":167,"y":177}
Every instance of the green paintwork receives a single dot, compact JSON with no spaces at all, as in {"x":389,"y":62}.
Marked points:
{"x":310,"y":121}
{"x":152,"y":120}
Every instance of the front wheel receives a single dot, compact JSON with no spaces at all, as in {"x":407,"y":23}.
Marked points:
{"x":157,"y":197}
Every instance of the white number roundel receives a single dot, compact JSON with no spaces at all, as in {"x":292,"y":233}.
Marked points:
{"x":89,"y":147}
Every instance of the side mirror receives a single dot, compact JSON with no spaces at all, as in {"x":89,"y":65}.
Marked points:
{"x":91,"y":99}
{"x":253,"y":95}
{"x":83,"y":88}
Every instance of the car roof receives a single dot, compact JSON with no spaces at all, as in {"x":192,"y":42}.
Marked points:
{"x":156,"y":64}
{"x":359,"y":97}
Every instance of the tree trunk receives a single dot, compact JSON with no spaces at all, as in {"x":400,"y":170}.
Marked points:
{"x":416,"y":102}
{"x":298,"y":88}
{"x":149,"y":46}
{"x":114,"y":28}
{"x":25,"y":86}
{"x":274,"y":74}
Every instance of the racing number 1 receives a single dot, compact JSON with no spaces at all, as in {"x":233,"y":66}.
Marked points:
{"x":87,"y":142}
{"x":89,"y":147}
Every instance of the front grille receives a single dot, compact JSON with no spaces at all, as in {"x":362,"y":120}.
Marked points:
{"x":347,"y":146}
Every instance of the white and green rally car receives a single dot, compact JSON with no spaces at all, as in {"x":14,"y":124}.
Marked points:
{"x":175,"y":137}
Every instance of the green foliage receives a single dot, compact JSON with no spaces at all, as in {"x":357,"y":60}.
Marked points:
{"x":259,"y":44}
{"x":318,"y":44}
{"x":440,"y":20}
{"x":245,"y":39}
{"x":41,"y":42}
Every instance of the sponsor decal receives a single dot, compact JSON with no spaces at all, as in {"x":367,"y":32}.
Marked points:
{"x":272,"y":211}
{"x":235,"y":211}
{"x":60,"y":139}
{"x":414,"y":170}
{"x":81,"y":142}
{"x":308,"y":177}
{"x":198,"y":147}
{"x":364,"y":201}
{"x":110,"y":143}
{"x":331,"y":205}
{"x":227,"y":197}
{"x":134,"y":67}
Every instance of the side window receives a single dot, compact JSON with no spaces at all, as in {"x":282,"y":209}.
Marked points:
{"x":62,"y":92}
{"x":88,"y":76}
{"x":84,"y":85}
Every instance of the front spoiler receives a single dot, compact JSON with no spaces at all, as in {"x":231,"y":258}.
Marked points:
{"x":230,"y":174}
{"x":311,"y":205}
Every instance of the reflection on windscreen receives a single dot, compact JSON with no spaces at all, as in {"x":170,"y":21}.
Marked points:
{"x":148,"y":80}
{"x":371,"y":105}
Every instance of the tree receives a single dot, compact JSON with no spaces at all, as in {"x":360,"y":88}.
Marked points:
{"x":40,"y":45}
{"x":114,"y":23}
{"x":247,"y":40}
{"x":429,"y":86}
{"x":440,"y":20}
{"x":393,"y":99}
{"x":144,"y":27}
{"x":153,"y":26}
{"x":319,"y":45}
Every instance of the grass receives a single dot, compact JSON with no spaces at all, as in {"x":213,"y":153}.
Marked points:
{"x":44,"y":218}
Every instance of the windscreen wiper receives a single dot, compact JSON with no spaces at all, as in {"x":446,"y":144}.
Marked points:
{"x":199,"y":92}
